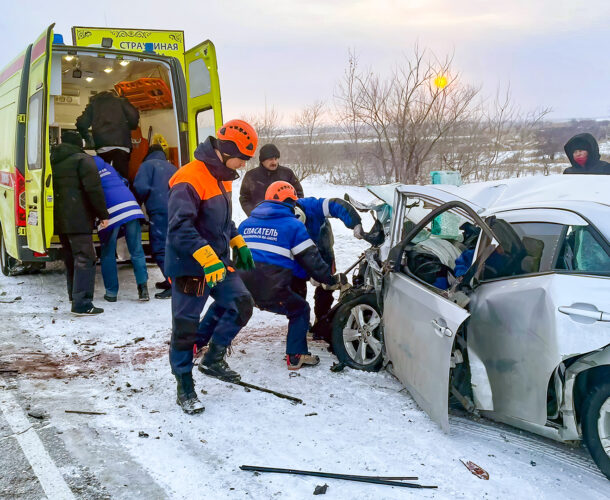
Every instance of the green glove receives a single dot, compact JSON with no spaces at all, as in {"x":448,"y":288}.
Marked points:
{"x":242,"y":256}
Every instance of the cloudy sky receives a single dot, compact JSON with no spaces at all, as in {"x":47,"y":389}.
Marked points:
{"x":287,"y":54}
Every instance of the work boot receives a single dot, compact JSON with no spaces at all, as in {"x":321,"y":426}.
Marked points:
{"x":163,"y":285}
{"x":143,"y":292}
{"x":297,"y":361}
{"x":165,"y":294}
{"x":187,"y":397}
{"x":214,"y":364}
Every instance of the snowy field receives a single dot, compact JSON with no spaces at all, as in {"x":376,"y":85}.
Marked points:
{"x":143,"y":446}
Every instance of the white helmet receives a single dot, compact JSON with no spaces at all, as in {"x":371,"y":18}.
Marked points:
{"x":300,"y":214}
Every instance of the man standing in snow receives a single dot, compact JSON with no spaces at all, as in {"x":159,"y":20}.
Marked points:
{"x":314,"y":213}
{"x":78,"y":200}
{"x":583,"y":152}
{"x":151,"y":185}
{"x":199,"y":237}
{"x":257,"y":180}
{"x":279,"y":243}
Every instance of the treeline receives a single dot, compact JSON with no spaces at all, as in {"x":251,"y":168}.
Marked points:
{"x":420,"y":118}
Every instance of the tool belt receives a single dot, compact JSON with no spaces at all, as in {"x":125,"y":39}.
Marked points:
{"x":191,"y":285}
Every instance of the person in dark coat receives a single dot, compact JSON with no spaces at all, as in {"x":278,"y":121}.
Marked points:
{"x":583,"y":152}
{"x":151,"y":186}
{"x":200,"y":236}
{"x":257,"y":180}
{"x":78,"y":200}
{"x":315,"y":215}
{"x":280,"y":243}
{"x":111,"y":119}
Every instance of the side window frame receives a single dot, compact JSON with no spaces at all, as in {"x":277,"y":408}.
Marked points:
{"x":34,"y":131}
{"x":597,"y":237}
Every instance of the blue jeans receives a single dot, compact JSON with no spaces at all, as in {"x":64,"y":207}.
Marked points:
{"x":133,"y":237}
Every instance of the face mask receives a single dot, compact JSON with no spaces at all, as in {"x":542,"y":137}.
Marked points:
{"x":581,"y":160}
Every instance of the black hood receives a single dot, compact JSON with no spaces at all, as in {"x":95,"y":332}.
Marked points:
{"x":62,"y":151}
{"x":105,"y":94}
{"x":206,"y":153}
{"x":586,"y":142}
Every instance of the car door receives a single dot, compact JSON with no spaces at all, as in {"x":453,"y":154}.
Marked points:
{"x":202,"y":93}
{"x":38,"y":180}
{"x":421,"y":320}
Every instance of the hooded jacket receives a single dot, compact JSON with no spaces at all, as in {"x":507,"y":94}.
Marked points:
{"x":152,"y":182}
{"x":257,"y":180}
{"x":120,"y":201}
{"x":279,"y":243}
{"x":594,"y":164}
{"x":111,"y":119}
{"x":78,"y":195}
{"x":199,"y":212}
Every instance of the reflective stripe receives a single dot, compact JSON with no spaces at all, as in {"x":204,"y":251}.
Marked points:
{"x":325,"y":207}
{"x":120,"y":206}
{"x":266,"y":247}
{"x":124,"y":215}
{"x":302,"y":246}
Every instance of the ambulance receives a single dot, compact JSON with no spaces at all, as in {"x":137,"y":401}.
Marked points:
{"x":46,"y":88}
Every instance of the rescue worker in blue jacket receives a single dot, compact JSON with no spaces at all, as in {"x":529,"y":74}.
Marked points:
{"x":314,"y":213}
{"x":125,"y":215}
{"x":197,"y":260}
{"x":151,"y":186}
{"x":279,"y":243}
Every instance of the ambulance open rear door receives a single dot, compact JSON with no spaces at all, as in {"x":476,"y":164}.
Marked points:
{"x":38,"y":180}
{"x":203,"y":93}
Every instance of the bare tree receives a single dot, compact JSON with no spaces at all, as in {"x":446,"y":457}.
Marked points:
{"x":308,"y":156}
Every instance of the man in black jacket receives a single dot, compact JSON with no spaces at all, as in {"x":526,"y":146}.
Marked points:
{"x":583,"y":152}
{"x":78,"y":199}
{"x":257,"y":180}
{"x":111,"y":119}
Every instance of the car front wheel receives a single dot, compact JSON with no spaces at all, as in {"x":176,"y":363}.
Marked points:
{"x":356,"y":336}
{"x":596,"y":426}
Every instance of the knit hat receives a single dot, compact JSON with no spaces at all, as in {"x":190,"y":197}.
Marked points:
{"x":268,"y":151}
{"x":72,"y":137}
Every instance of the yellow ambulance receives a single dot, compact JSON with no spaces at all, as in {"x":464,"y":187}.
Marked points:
{"x":46,"y":87}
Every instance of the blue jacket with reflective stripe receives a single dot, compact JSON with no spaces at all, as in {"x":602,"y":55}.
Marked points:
{"x":279,"y":243}
{"x":152,"y":182}
{"x":120,"y":201}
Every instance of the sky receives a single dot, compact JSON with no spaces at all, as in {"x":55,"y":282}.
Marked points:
{"x":287,"y":54}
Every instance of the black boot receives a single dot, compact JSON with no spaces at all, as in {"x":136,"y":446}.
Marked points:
{"x":214,"y":364}
{"x":187,"y":397}
{"x":143,"y":292}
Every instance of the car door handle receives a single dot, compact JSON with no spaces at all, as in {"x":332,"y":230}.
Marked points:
{"x":585,"y":313}
{"x":441,"y":330}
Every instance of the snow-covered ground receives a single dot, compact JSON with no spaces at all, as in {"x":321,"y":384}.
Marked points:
{"x":143,"y":446}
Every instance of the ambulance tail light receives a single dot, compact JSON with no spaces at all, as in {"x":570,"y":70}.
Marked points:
{"x":20,"y":198}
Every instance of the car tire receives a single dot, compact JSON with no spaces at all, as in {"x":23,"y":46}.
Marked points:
{"x":595,"y":420}
{"x":8,"y":264}
{"x":356,"y":333}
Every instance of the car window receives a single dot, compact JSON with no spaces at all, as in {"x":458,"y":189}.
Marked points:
{"x":583,"y":251}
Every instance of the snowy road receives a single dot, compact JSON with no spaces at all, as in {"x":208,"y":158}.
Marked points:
{"x":142,"y":446}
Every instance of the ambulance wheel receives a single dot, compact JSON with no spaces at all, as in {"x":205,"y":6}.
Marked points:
{"x":357,"y":339}
{"x":8,"y":264}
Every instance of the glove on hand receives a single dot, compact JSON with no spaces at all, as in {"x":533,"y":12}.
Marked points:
{"x":215,"y":271}
{"x":359,"y":232}
{"x":242,"y":256}
{"x":340,"y":283}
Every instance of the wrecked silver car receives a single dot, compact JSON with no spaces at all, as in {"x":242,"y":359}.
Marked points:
{"x":494,"y":295}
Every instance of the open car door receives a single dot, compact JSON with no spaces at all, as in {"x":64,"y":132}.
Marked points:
{"x":203,"y":93}
{"x":421,"y":320}
{"x":38,"y":180}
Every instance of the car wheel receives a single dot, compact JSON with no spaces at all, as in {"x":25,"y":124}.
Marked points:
{"x":356,"y":335}
{"x":7,"y":263}
{"x":595,"y":421}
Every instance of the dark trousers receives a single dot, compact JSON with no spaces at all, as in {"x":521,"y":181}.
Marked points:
{"x":119,"y":159}
{"x":230,"y":312}
{"x":157,"y":233}
{"x":79,"y":257}
{"x":323,"y":299}
{"x":297,"y":310}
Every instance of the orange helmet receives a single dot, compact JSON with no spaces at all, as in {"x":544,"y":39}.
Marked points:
{"x":280,"y":191}
{"x":241,"y":134}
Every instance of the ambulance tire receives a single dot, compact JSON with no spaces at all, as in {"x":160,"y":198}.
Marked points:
{"x":8,"y":264}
